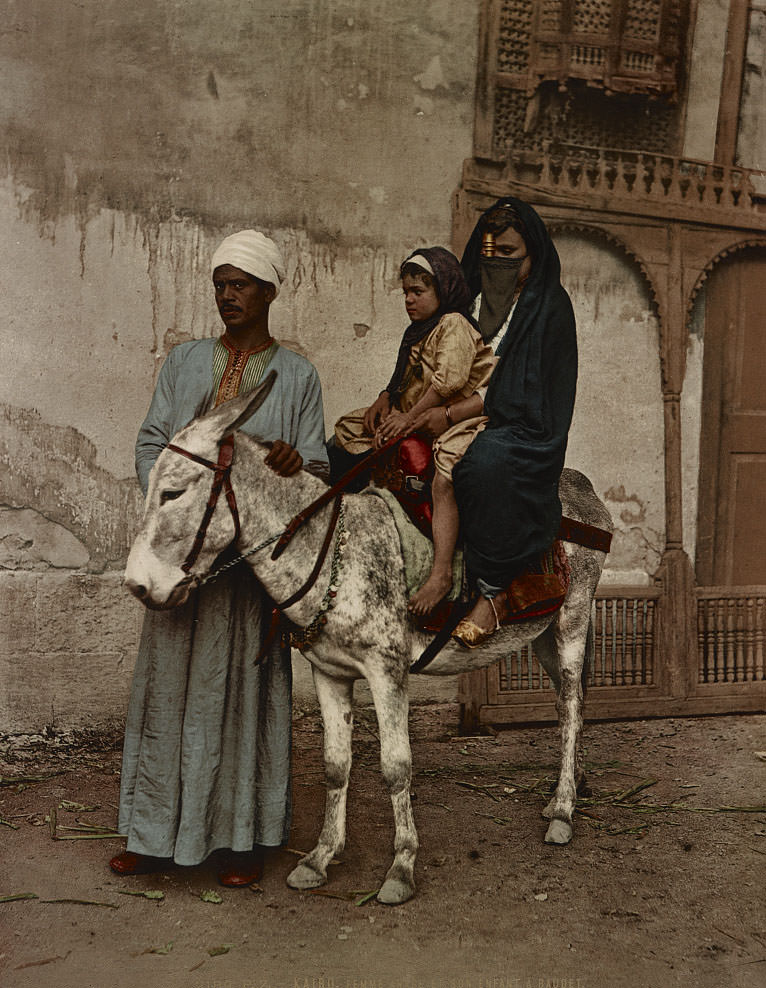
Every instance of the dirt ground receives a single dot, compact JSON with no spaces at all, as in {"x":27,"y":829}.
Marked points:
{"x":663,"y":884}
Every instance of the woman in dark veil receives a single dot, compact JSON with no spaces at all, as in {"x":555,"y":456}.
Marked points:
{"x":506,"y":484}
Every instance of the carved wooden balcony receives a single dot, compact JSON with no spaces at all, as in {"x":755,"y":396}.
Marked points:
{"x":623,"y":181}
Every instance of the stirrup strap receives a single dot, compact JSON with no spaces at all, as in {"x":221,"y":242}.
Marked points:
{"x":441,"y":638}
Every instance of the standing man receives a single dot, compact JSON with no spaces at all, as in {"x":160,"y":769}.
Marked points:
{"x":206,"y":761}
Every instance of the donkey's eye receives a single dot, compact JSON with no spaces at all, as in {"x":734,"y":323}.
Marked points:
{"x":169,"y":496}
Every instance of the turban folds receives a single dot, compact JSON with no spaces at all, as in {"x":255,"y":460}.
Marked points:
{"x":253,"y":253}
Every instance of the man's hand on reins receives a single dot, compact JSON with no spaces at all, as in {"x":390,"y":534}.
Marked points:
{"x":283,"y":458}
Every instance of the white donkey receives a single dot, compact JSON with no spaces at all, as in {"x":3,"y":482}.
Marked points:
{"x":358,"y":605}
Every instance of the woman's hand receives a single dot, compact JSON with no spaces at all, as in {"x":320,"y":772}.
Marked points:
{"x":396,"y":424}
{"x":432,"y":422}
{"x":376,"y":413}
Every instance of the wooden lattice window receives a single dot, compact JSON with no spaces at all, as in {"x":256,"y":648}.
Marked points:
{"x":602,"y":73}
{"x":622,"y":46}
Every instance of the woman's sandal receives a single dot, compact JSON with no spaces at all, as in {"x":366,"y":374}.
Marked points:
{"x":470,"y":635}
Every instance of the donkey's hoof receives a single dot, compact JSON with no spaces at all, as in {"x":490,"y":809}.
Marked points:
{"x":394,"y":892}
{"x":559,"y":832}
{"x":305,"y":877}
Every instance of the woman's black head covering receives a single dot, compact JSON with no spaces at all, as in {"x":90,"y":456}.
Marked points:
{"x":496,"y":277}
{"x":507,"y":483}
{"x":453,"y":294}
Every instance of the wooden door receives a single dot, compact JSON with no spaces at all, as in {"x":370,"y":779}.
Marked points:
{"x":731,"y":546}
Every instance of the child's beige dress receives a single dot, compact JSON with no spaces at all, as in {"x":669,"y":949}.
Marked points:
{"x":456,"y":362}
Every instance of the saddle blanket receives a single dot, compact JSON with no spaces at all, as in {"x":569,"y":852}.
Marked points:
{"x":538,"y":591}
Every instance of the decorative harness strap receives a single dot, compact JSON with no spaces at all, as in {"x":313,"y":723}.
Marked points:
{"x":299,"y":594}
{"x":334,"y":492}
{"x":579,"y":532}
{"x":221,"y":481}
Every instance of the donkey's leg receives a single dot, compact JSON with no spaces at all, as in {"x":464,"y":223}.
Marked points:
{"x":581,"y":780}
{"x":547,"y":655}
{"x":335,"y":701}
{"x":392,"y":706}
{"x":551,"y":655}
{"x":571,"y":636}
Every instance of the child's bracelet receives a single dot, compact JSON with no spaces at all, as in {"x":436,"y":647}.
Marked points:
{"x":448,"y":415}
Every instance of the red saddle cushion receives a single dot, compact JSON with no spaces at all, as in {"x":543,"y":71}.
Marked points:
{"x":407,"y":471}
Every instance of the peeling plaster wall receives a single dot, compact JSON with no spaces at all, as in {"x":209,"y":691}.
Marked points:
{"x":61,"y":663}
{"x":751,"y":140}
{"x":705,"y":75}
{"x":691,"y":425}
{"x":134,"y":137}
{"x":243,"y":110}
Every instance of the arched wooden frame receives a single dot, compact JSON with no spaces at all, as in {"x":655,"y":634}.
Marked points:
{"x":734,"y":248}
{"x":674,"y":256}
{"x":709,"y":530}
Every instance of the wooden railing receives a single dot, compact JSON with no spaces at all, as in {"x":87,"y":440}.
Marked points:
{"x":636,"y":181}
{"x":731,"y":625}
{"x":625,"y":623}
{"x":625,"y":644}
{"x":630,"y":676}
{"x":731,"y":640}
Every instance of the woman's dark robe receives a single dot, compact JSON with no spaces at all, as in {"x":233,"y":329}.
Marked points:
{"x":506,"y":485}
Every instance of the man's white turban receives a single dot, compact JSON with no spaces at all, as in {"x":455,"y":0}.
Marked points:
{"x":254,"y":254}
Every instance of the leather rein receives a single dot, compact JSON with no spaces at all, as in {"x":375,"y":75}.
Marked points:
{"x":222,"y":482}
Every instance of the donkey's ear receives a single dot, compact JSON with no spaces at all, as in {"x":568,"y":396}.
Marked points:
{"x":229,"y":416}
{"x":256,"y":399}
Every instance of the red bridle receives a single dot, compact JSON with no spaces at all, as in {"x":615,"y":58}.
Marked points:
{"x":221,"y":482}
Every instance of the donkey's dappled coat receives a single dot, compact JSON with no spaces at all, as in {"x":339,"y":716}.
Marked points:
{"x":368,"y":633}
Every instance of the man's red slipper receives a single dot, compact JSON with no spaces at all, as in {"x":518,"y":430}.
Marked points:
{"x":130,"y":863}
{"x":238,"y":869}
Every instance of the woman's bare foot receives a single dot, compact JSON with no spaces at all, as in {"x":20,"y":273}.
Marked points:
{"x":436,"y":587}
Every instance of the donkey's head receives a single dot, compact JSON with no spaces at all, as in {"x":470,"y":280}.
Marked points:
{"x":171,"y":553}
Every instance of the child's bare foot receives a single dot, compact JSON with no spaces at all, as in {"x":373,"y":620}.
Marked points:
{"x":436,"y":587}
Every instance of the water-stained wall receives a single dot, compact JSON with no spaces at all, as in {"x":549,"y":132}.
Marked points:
{"x":134,"y":137}
{"x":617,"y":429}
{"x":302,"y":114}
